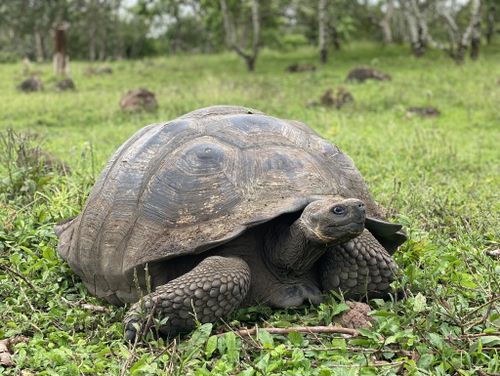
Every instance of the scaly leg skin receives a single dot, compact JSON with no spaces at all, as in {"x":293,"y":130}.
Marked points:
{"x":213,"y":289}
{"x":358,"y":268}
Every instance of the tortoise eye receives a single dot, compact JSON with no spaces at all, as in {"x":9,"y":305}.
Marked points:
{"x":338,"y":210}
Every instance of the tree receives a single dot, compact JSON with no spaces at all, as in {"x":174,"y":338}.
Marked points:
{"x":322,"y":26}
{"x":459,"y":42}
{"x":491,"y":9}
{"x":385,"y":22}
{"x":248,"y":55}
{"x":442,"y":10}
{"x":417,"y":27}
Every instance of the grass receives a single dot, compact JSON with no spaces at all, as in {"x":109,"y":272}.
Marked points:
{"x":438,"y":176}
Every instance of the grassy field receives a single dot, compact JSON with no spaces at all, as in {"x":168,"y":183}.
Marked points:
{"x":438,"y":176}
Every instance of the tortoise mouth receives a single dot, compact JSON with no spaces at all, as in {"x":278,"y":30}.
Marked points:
{"x":342,"y":232}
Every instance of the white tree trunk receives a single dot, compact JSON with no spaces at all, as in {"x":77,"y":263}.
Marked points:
{"x":385,"y":23}
{"x":410,"y":10}
{"x":472,"y":34}
{"x":40,"y":50}
{"x":322,"y":35}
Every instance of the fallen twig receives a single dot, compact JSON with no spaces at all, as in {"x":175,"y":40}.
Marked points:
{"x":491,"y":301}
{"x":5,"y":349}
{"x":86,"y":306}
{"x":298,"y":329}
{"x":19,"y":275}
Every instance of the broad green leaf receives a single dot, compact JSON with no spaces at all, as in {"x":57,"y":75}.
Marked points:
{"x":425,"y":361}
{"x":265,"y":338}
{"x":233,"y":351}
{"x":339,"y":308}
{"x":211,"y":346}
{"x":419,"y":303}
{"x":339,"y":343}
{"x":437,"y":340}
{"x":295,"y":338}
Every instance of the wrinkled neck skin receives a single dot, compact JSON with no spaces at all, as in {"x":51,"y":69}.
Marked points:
{"x":290,"y":251}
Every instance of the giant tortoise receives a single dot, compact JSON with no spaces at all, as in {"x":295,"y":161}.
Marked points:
{"x":223,"y":207}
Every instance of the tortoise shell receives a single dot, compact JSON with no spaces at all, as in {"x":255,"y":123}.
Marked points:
{"x":188,"y":185}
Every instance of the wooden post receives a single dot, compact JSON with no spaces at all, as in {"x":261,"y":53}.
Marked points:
{"x":61,"y":60}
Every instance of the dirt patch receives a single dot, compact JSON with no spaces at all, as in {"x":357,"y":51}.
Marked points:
{"x":297,"y":68}
{"x":6,"y":350}
{"x":362,"y":74}
{"x":423,"y":111}
{"x":333,"y":98}
{"x":30,"y":85}
{"x":357,"y":317}
{"x":138,"y":100}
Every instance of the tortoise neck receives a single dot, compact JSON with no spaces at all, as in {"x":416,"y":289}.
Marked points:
{"x":289,"y":252}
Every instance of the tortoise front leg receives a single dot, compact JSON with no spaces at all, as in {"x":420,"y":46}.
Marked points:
{"x":212,"y":290}
{"x":360,"y":267}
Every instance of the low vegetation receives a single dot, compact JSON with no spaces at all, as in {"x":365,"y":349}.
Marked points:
{"x":436,"y":175}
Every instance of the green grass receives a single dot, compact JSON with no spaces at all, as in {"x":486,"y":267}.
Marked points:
{"x":438,"y":176}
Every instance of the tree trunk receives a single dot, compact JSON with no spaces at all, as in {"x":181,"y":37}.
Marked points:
{"x":335,"y":38}
{"x":39,"y":47}
{"x":250,"y":61}
{"x":256,"y":28}
{"x":490,"y":23}
{"x":250,"y":58}
{"x":92,"y":28}
{"x":385,"y":23}
{"x":414,"y":27}
{"x":322,"y":11}
{"x":472,"y":32}
{"x":92,"y":42}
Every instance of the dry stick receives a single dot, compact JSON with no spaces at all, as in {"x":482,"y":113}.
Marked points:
{"x":491,"y":301}
{"x":374,"y":364}
{"x":12,"y":271}
{"x":86,"y":306}
{"x":255,"y":343}
{"x":299,"y":329}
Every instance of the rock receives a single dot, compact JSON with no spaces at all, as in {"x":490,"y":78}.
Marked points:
{"x":333,"y":98}
{"x":337,"y":98}
{"x":362,"y":74}
{"x":493,"y":253}
{"x":31,"y":84}
{"x":66,"y":84}
{"x":357,"y":317}
{"x":296,"y":68}
{"x":423,"y":111}
{"x":138,"y":100}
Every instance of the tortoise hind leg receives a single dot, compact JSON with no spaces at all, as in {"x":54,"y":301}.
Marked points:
{"x":212,"y":290}
{"x":358,"y":268}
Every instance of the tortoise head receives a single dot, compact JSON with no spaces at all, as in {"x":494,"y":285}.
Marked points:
{"x":333,"y":220}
